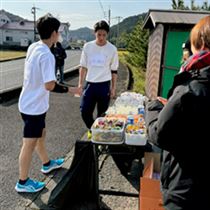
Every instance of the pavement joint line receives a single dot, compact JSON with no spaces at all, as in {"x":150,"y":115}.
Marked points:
{"x":76,"y":67}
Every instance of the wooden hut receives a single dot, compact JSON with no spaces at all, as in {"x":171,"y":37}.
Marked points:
{"x":169,"y":29}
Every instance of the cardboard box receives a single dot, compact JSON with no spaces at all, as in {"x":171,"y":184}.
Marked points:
{"x":150,"y":194}
{"x":151,"y":204}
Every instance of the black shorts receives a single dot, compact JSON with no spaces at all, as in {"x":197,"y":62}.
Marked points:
{"x":33,"y":125}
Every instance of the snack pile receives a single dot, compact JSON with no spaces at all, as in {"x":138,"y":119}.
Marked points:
{"x":108,"y":130}
{"x":109,"y":124}
{"x":124,"y":121}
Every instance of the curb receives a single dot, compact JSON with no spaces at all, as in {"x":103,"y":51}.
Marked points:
{"x":11,"y":59}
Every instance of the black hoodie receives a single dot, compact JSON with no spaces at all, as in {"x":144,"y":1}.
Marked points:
{"x":182,"y":129}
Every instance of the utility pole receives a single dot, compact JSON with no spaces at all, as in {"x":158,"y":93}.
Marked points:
{"x":33,"y":11}
{"x":109,"y":17}
{"x":118,"y":25}
{"x":109,"y":22}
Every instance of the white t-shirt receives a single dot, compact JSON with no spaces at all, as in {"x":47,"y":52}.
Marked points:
{"x":39,"y":69}
{"x":99,"y":60}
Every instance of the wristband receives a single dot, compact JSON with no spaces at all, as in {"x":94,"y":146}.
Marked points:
{"x":114,"y":71}
{"x":60,"y":89}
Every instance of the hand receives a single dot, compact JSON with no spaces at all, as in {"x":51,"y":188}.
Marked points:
{"x":162,"y":100}
{"x":80,"y":90}
{"x":74,"y":90}
{"x":154,"y":105}
{"x":112,"y":93}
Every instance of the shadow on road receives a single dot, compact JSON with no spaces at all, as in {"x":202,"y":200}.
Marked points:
{"x":10,"y":98}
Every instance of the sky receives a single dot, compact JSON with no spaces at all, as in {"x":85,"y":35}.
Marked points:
{"x":84,"y":13}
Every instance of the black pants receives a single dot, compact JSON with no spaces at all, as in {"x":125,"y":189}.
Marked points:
{"x":94,"y":94}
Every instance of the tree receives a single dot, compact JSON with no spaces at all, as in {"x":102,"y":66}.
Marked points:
{"x":193,"y":7}
{"x":137,"y":46}
{"x":205,"y":6}
{"x":179,"y":4}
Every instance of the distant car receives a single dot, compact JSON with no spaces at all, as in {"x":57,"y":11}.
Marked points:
{"x":77,"y":48}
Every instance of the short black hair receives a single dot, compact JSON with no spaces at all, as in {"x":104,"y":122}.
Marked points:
{"x":101,"y":25}
{"x":46,"y":25}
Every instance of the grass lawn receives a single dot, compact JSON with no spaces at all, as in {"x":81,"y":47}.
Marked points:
{"x":7,"y":54}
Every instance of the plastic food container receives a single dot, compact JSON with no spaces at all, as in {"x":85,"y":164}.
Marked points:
{"x":135,"y":139}
{"x":108,"y":135}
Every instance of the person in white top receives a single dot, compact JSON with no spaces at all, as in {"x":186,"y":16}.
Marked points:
{"x":98,"y":67}
{"x":39,"y":80}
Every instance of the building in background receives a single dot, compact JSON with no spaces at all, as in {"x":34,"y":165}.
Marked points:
{"x":20,"y":32}
{"x":169,"y":29}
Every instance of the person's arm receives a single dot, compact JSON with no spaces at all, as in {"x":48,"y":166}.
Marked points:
{"x":50,"y":85}
{"x":83,"y":70}
{"x":114,"y":84}
{"x":162,"y":100}
{"x":55,"y":87}
{"x":48,"y":75}
{"x":61,"y":53}
{"x":164,"y":122}
{"x":114,"y":68}
{"x":64,"y":54}
{"x":82,"y":74}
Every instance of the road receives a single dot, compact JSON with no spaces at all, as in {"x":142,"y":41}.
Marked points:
{"x":11,"y":72}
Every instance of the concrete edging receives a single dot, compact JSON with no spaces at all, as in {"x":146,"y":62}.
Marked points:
{"x":11,"y":59}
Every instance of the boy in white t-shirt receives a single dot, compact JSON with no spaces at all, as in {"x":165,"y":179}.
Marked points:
{"x":99,"y":64}
{"x":39,"y":80}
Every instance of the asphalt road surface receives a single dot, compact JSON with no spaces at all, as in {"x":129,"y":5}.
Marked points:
{"x":11,"y":72}
{"x":63,"y":123}
{"x":64,"y":127}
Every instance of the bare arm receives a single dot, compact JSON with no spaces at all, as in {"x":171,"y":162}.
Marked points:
{"x":114,"y":67}
{"x":113,"y":86}
{"x":50,"y":85}
{"x":82,"y":74}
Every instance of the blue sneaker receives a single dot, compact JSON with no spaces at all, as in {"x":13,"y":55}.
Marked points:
{"x":54,"y":164}
{"x":31,"y":186}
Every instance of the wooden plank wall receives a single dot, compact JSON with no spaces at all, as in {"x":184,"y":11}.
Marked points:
{"x":154,"y":61}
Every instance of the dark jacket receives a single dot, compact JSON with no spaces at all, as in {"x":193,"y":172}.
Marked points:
{"x":60,"y":54}
{"x":182,"y":130}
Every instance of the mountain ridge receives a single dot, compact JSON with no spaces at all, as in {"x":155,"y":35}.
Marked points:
{"x":125,"y":26}
{"x":83,"y":33}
